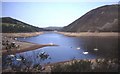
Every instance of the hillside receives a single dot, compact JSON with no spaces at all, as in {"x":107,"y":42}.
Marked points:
{"x":103,"y":19}
{"x":10,"y":25}
{"x":54,"y":28}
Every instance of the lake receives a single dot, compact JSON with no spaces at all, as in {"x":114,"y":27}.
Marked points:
{"x":69,"y":48}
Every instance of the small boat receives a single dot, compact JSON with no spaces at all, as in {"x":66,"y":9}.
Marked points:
{"x":19,"y":59}
{"x":51,"y":43}
{"x":78,"y":48}
{"x":95,"y":49}
{"x":12,"y":55}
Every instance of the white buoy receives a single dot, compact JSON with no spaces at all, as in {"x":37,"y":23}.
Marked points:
{"x":96,"y":49}
{"x":51,"y":43}
{"x":13,"y":42}
{"x":12,"y":55}
{"x":19,"y":59}
{"x":85,"y":52}
{"x":15,"y":38}
{"x":78,"y":48}
{"x":42,"y":52}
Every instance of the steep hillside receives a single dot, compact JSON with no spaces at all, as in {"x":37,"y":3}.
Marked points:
{"x":10,"y":25}
{"x":104,"y":19}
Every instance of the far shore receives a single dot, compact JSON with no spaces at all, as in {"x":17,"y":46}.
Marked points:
{"x":87,"y":34}
{"x":29,"y":34}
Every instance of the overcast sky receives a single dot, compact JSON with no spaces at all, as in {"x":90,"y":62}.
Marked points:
{"x":44,"y":14}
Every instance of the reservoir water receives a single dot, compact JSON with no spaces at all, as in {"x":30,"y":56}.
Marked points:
{"x":69,"y":47}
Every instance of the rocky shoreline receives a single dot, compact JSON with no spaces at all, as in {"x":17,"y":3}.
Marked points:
{"x":10,"y":44}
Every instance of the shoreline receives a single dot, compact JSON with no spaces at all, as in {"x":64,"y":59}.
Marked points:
{"x":63,"y":62}
{"x":90,"y":34}
{"x":23,"y":45}
{"x":69,"y":62}
{"x":29,"y":48}
{"x":29,"y":34}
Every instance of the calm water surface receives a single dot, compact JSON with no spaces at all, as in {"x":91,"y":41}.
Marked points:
{"x":67,"y":49}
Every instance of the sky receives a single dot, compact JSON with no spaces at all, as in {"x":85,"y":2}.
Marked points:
{"x":44,"y":14}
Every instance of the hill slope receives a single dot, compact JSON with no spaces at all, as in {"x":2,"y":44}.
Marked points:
{"x":10,"y":25}
{"x":104,"y":19}
{"x":54,"y":28}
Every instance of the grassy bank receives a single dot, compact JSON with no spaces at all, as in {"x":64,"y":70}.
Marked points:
{"x":87,"y":65}
{"x":100,"y":34}
{"x":83,"y":65}
{"x":30,"y":34}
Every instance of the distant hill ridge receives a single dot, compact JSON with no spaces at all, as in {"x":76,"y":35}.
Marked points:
{"x":54,"y":28}
{"x":103,"y":19}
{"x":10,"y":25}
